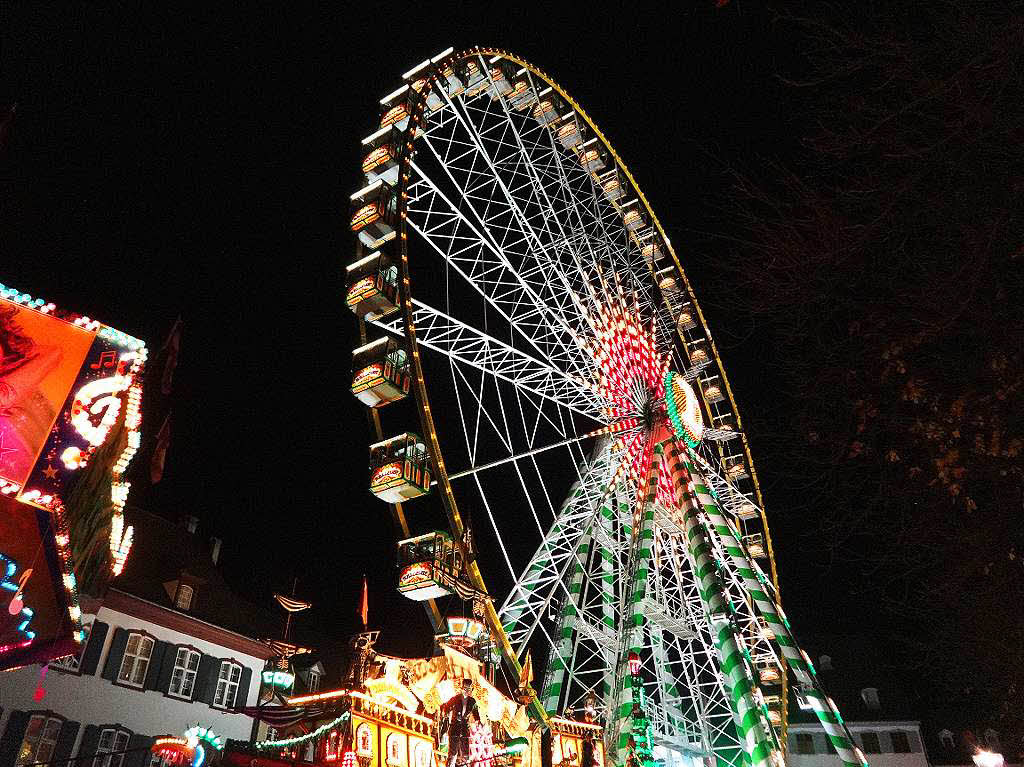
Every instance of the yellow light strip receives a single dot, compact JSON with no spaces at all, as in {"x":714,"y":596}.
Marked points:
{"x":560,"y":720}
{"x":318,"y":696}
{"x":398,"y":709}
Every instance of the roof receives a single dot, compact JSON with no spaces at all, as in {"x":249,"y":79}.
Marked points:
{"x":165,"y":553}
{"x":854,"y":666}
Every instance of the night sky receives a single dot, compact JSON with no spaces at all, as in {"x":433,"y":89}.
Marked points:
{"x":199,"y":164}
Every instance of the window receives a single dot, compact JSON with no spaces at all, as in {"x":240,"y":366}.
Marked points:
{"x":423,"y":754}
{"x":804,"y":743}
{"x":900,"y":742}
{"x":135,"y":662}
{"x":183,"y":599}
{"x":871,"y":744}
{"x":271,"y":733}
{"x":396,"y":749}
{"x":364,"y":740}
{"x":183,"y":679}
{"x":331,"y":752}
{"x":112,"y":745}
{"x":870,"y":697}
{"x":227,"y":685}
{"x":72,"y":662}
{"x":40,"y":739}
{"x":314,"y":681}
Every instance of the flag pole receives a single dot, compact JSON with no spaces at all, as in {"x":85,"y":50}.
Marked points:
{"x":288,"y":620}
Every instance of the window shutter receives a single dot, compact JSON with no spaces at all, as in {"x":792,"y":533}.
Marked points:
{"x":93,"y":648}
{"x":10,"y":743}
{"x":65,"y":742}
{"x":116,"y":654}
{"x":915,"y":743}
{"x":90,"y":740}
{"x":163,"y":683}
{"x":242,"y":698}
{"x":156,"y":662}
{"x":206,"y":679}
{"x":138,"y":751}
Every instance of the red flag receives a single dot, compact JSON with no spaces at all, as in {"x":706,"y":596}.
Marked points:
{"x":171,"y":346}
{"x":163,"y":439}
{"x":364,"y":611}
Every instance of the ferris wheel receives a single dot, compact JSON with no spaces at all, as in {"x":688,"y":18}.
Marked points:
{"x":567,"y":394}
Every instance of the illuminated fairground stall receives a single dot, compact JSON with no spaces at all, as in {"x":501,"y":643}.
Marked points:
{"x":70,"y":389}
{"x":398,"y":712}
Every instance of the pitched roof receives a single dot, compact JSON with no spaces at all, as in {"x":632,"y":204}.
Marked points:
{"x":165,"y":553}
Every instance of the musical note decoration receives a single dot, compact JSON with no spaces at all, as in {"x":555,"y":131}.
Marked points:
{"x":16,"y":607}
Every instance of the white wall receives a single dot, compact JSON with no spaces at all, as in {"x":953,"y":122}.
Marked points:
{"x":95,"y":700}
{"x":821,"y":758}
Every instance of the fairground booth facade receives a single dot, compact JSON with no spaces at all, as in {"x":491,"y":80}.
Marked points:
{"x":417,"y":712}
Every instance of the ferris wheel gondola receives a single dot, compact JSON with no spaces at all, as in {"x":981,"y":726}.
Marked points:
{"x":566,"y":387}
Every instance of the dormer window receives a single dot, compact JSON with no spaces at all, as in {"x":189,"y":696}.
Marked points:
{"x":870,"y":697}
{"x":946,"y":738}
{"x":183,"y":597}
{"x":313,"y":681}
{"x":825,"y":663}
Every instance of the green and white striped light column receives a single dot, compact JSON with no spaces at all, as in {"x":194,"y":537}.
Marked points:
{"x":751,"y":726}
{"x":566,"y":628}
{"x":643,"y":543}
{"x":756,"y":586}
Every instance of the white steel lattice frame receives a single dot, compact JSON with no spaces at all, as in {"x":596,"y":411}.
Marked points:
{"x":511,"y":216}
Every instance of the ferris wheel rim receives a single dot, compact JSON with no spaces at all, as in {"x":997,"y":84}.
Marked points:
{"x":422,"y":398}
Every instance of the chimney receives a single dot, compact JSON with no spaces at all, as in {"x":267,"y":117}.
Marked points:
{"x":870,"y":697}
{"x":191,"y":523}
{"x":215,"y":553}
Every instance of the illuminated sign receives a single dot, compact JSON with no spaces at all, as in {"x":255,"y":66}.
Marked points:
{"x":66,"y":382}
{"x":388,"y":690}
{"x":194,"y":735}
{"x":414,"y":574}
{"x":40,"y":358}
{"x":417,"y":582}
{"x":683,"y":409}
{"x":282,"y":679}
{"x":38,"y":612}
{"x":360,"y":289}
{"x":387,"y":474}
{"x":465,"y":627}
{"x":369,"y":375}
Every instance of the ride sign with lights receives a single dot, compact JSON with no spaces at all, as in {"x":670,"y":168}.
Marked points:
{"x":683,"y":409}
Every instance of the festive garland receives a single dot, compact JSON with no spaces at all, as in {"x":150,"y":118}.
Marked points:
{"x":303,"y":738}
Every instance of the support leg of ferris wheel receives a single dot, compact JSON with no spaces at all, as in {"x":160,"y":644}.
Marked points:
{"x":549,"y":567}
{"x":589,"y":634}
{"x":751,"y":722}
{"x":554,"y":677}
{"x":756,"y":586}
{"x":626,"y":724}
{"x":606,"y":576}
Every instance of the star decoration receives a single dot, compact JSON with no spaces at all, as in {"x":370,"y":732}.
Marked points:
{"x":50,"y":472}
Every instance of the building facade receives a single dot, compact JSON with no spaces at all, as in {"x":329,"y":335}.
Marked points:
{"x":162,"y":654}
{"x":885,"y":743}
{"x":876,"y":707}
